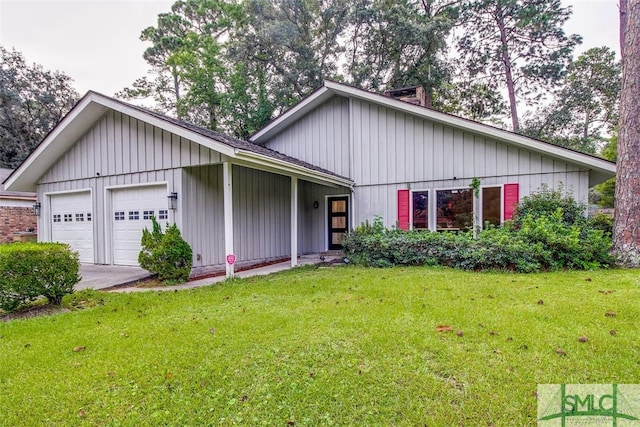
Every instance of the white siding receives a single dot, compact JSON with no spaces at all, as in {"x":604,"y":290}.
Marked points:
{"x":120,"y":145}
{"x":261,"y":207}
{"x":320,"y":138}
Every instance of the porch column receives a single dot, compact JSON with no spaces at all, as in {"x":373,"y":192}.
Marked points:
{"x":294,"y":221}
{"x":227,"y":183}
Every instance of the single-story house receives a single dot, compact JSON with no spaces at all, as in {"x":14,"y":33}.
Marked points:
{"x":339,"y":157}
{"x":17,"y":217}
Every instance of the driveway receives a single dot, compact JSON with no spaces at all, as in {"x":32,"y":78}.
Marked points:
{"x":106,"y":276}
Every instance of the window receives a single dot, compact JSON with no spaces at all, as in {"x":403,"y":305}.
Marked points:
{"x":163,"y":214}
{"x":147,"y":214}
{"x":491,"y":206}
{"x":420,"y":206}
{"x":79,"y":217}
{"x":57,"y":218}
{"x":68,"y":218}
{"x":134,"y":215}
{"x":454,"y":209}
{"x":89,"y":216}
{"x":119,"y":216}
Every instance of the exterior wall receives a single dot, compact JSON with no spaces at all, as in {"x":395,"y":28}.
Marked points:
{"x":320,"y":138}
{"x":393,"y":150}
{"x":261,"y":210}
{"x":388,"y":150}
{"x":120,"y":145}
{"x":119,"y":151}
{"x":312,"y":222}
{"x":15,"y":219}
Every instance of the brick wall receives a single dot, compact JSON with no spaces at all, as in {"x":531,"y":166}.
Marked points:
{"x":14,"y":220}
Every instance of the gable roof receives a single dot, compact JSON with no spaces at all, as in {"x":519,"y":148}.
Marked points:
{"x":93,"y":105}
{"x":599,"y":169}
{"x":15,"y":195}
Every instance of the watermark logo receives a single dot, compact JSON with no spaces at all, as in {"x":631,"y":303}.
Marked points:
{"x":588,"y":404}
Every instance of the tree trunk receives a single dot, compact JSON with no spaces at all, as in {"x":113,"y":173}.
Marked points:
{"x":506,"y":59}
{"x":626,"y":227}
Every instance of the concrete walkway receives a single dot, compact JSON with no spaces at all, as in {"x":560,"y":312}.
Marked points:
{"x":131,"y":275}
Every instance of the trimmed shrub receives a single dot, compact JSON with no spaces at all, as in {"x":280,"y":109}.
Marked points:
{"x":166,"y":254}
{"x":31,"y":270}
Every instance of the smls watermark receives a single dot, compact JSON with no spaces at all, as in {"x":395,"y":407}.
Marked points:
{"x":616,"y":405}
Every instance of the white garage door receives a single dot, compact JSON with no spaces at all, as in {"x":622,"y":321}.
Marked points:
{"x":71,"y":222}
{"x":132,"y":211}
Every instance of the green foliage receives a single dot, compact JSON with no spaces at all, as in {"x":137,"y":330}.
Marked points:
{"x":166,"y":254}
{"x":585,"y":108}
{"x":537,"y":243}
{"x":32,"y":270}
{"x":32,"y":101}
{"x":330,"y":346}
{"x":606,"y":191}
{"x":546,"y":202}
{"x":518,"y":45}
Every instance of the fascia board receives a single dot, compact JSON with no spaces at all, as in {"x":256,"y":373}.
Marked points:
{"x":291,"y":116}
{"x":476,"y":128}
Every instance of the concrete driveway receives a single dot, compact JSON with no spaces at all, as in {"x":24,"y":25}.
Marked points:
{"x":106,"y":276}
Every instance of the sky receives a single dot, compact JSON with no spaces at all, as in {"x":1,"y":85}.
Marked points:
{"x":96,"y":42}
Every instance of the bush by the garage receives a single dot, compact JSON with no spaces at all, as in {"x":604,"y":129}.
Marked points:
{"x":166,"y":254}
{"x":32,"y":270}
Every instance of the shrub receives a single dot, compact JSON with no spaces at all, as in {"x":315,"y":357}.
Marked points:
{"x":31,"y":270}
{"x":546,"y":201}
{"x":166,"y":254}
{"x":542,"y":243}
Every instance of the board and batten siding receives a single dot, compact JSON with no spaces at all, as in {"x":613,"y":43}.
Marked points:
{"x":393,"y":150}
{"x":312,"y":222}
{"x":261,"y":210}
{"x":121,"y":151}
{"x":320,"y":137}
{"x":119,"y":144}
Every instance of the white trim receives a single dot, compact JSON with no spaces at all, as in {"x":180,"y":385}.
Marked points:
{"x":294,"y":221}
{"x":293,"y":113}
{"x":481,"y":216}
{"x":326,"y":216}
{"x":46,"y":217}
{"x":601,"y":166}
{"x":428,"y":191}
{"x":227,"y":190}
{"x":288,"y":169}
{"x":108,"y":207}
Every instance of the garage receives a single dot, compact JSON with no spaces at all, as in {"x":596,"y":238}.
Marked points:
{"x":132,"y":210}
{"x":72,"y":222}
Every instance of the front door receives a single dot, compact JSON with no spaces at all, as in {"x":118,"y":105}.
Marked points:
{"x":338,"y":221}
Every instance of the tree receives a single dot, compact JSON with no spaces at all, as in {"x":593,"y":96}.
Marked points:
{"x":395,"y":44}
{"x":518,"y":43}
{"x":585,"y":108}
{"x":32,"y":101}
{"x":606,"y":191}
{"x":626,"y":225}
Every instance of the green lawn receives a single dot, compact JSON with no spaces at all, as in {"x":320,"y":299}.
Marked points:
{"x":334,"y":346}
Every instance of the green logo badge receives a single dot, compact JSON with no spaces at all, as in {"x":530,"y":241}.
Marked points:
{"x":588,"y":404}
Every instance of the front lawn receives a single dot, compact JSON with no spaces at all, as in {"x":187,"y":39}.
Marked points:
{"x":332,"y":346}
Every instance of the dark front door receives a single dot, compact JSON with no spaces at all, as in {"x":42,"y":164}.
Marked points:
{"x":338,"y":221}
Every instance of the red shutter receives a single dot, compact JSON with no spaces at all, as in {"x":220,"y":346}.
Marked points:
{"x":403,"y":209}
{"x":511,"y":198}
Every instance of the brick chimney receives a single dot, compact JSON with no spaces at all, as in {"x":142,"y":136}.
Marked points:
{"x":413,"y":95}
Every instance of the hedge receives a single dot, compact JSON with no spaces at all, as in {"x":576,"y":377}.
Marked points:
{"x":32,"y":270}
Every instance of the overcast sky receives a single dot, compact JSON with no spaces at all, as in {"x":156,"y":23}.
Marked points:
{"x":97,"y":43}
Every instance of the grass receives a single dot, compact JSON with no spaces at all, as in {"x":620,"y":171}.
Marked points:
{"x":333,"y":346}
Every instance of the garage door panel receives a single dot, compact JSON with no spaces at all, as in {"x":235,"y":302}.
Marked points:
{"x":71,"y":222}
{"x":132,"y":211}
